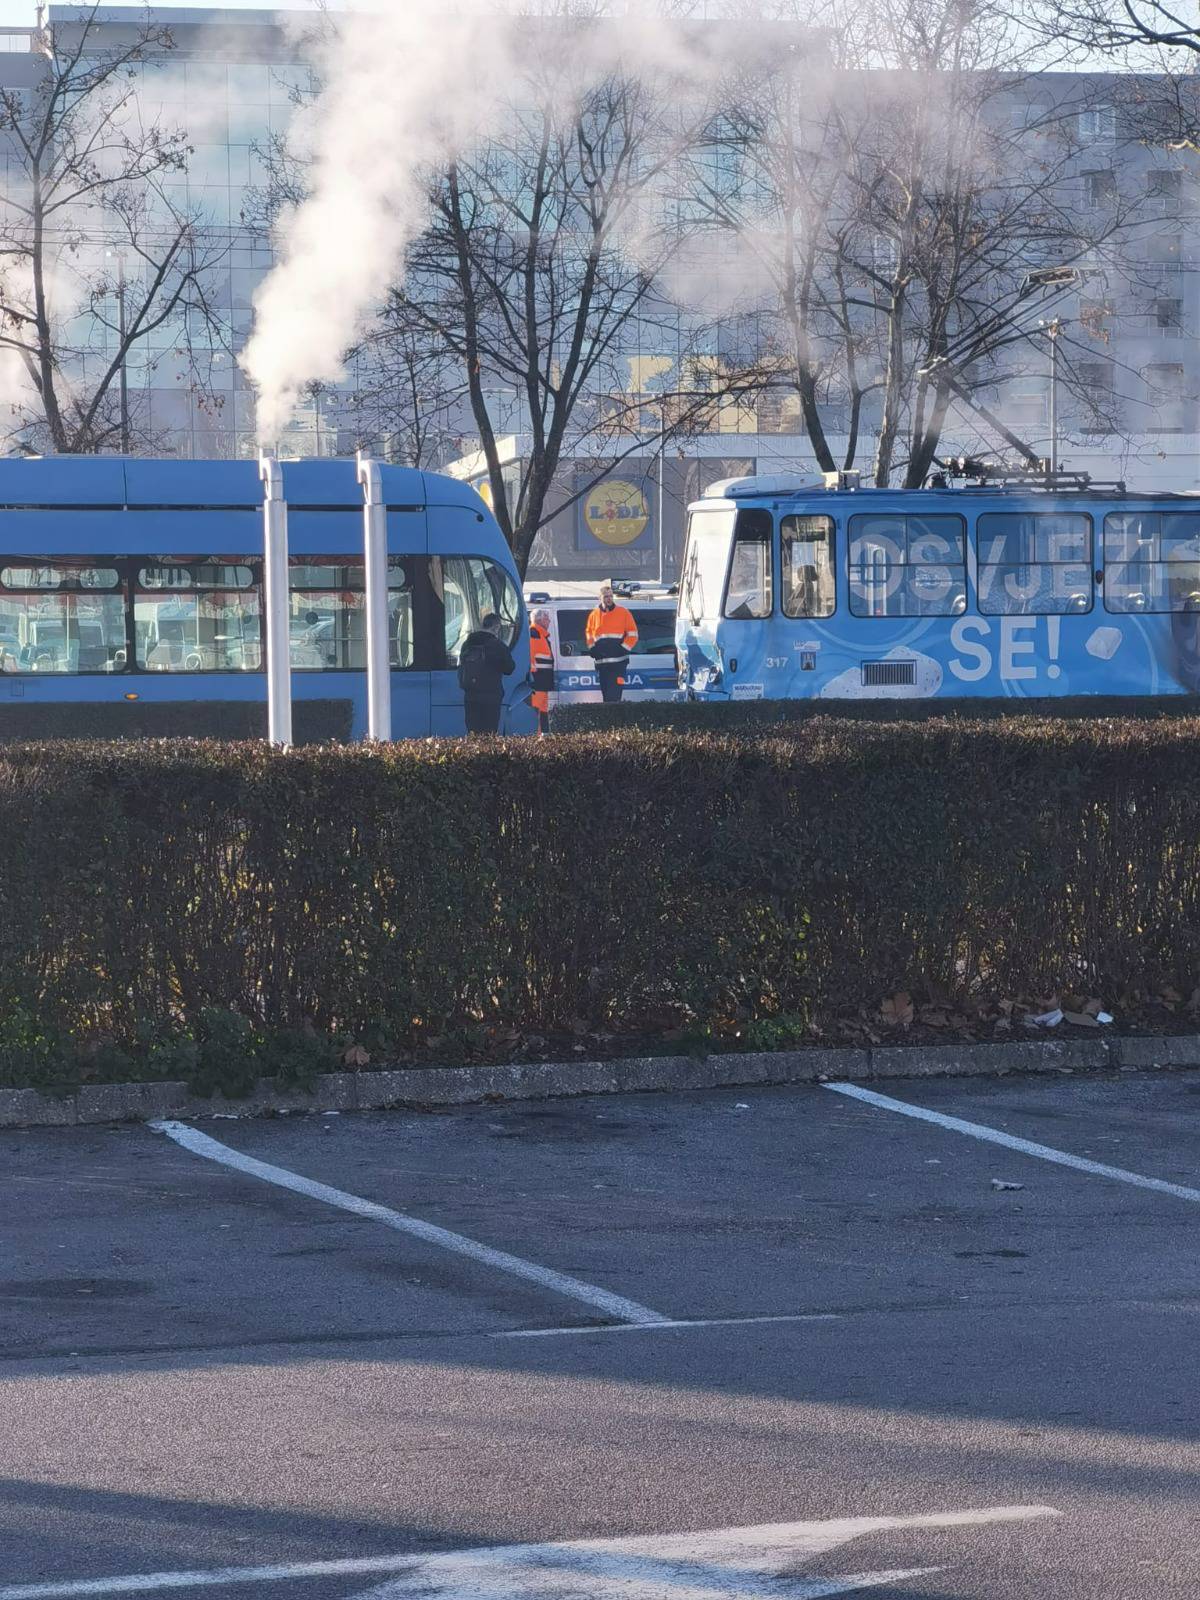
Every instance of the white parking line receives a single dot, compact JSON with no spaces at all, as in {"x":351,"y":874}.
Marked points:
{"x":755,"y":1563}
{"x":666,"y":1325}
{"x":613,"y":1305}
{"x":1026,"y":1147}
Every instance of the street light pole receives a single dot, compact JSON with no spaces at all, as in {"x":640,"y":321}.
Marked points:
{"x":662,"y":443}
{"x":1052,"y":331}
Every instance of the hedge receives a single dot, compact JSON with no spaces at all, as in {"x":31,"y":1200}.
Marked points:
{"x":312,"y":720}
{"x":734,"y":716}
{"x":203,"y":910}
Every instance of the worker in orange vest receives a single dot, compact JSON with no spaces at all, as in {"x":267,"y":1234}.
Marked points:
{"x":611,"y":637}
{"x":541,"y":669}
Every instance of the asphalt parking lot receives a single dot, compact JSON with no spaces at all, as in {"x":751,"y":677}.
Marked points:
{"x":772,"y":1342}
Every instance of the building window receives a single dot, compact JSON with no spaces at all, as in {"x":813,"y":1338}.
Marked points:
{"x":1166,"y":379}
{"x":1165,"y":383}
{"x":907,"y":566}
{"x":1098,"y":122}
{"x":1166,"y":250}
{"x":1100,"y":187}
{"x":1152,"y":561}
{"x":1164,"y":183}
{"x":1026,"y":400}
{"x":200,"y":615}
{"x":807,"y":549}
{"x":1034,"y":563}
{"x":779,"y":412}
{"x":1095,"y":380}
{"x":749,"y":591}
{"x":1168,"y":317}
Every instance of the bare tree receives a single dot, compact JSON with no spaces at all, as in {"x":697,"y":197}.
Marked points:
{"x":94,"y":255}
{"x":1121,"y":26}
{"x":909,"y":199}
{"x":409,"y":396}
{"x":542,"y":276}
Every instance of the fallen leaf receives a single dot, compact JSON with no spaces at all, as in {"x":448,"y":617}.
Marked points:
{"x":897,"y":1009}
{"x":355,"y":1056}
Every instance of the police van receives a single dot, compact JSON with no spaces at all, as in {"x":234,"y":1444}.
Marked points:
{"x":652,"y":671}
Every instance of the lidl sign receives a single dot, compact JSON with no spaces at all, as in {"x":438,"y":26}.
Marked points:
{"x":615,"y":512}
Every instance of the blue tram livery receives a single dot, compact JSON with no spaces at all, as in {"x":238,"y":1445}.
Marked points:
{"x":1009,"y":589}
{"x":126,"y":580}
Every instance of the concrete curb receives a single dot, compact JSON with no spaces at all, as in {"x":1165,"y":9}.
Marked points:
{"x":538,"y":1080}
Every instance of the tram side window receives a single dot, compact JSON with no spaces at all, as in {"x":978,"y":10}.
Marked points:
{"x":907,"y":566}
{"x":1152,"y":561}
{"x":748,"y":595}
{"x":468,"y":587}
{"x":198,"y":614}
{"x":807,"y":549}
{"x":327,"y":613}
{"x":61,"y":615}
{"x":1034,"y":563}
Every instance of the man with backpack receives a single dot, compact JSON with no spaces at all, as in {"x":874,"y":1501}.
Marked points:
{"x":483,"y":663}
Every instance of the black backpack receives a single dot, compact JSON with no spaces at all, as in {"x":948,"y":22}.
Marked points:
{"x":475,"y":675}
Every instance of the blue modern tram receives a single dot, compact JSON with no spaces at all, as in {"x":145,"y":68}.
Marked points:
{"x":987,"y":591}
{"x":127,"y":581}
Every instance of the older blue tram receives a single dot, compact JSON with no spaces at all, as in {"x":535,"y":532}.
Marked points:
{"x":1008,"y":589}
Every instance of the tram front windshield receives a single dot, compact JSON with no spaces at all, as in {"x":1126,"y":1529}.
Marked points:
{"x":706,"y":564}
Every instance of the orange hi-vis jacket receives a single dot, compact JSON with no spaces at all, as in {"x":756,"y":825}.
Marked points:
{"x":616,"y":625}
{"x":540,"y":655}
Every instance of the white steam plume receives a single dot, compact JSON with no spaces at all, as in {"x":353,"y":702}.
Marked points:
{"x":405,"y":89}
{"x":401,"y":89}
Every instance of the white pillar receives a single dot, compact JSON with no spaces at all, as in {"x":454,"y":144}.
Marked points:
{"x":276,"y":604}
{"x":375,"y":566}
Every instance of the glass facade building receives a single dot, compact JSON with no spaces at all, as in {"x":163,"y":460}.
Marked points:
{"x":231,"y":82}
